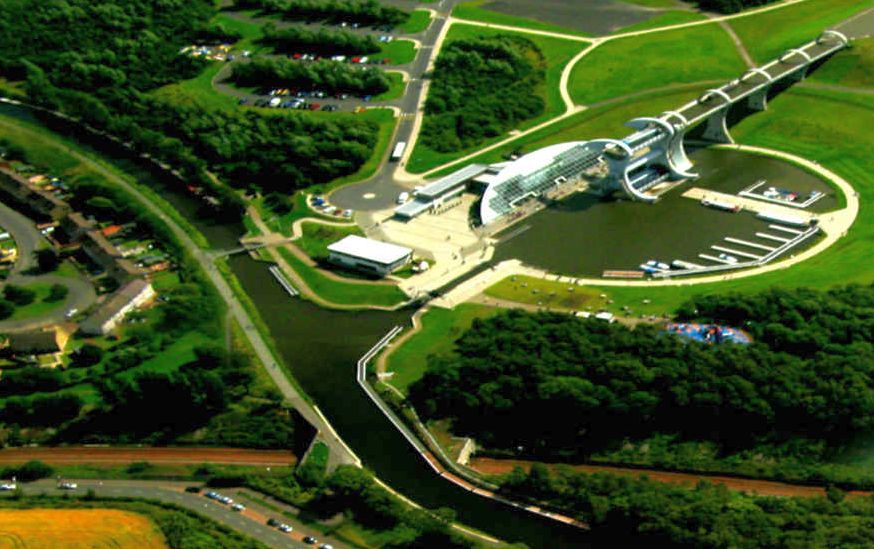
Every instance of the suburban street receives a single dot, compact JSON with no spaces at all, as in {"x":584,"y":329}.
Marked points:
{"x":27,"y":240}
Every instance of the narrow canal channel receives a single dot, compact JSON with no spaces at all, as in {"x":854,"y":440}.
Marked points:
{"x":322,"y":348}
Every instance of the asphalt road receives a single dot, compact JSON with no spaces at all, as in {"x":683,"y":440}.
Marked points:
{"x":381,"y":190}
{"x":252,"y":522}
{"x":27,"y":240}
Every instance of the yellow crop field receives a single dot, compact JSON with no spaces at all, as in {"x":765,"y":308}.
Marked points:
{"x":77,"y":528}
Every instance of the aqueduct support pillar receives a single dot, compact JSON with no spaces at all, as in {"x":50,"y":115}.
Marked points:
{"x":759,"y":100}
{"x":717,"y":128}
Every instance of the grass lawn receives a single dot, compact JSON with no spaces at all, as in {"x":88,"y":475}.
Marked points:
{"x":668,"y":18}
{"x":829,"y":127}
{"x":852,"y":67}
{"x":198,"y":91}
{"x":440,"y":329}
{"x":396,"y":87}
{"x":630,"y":65}
{"x":342,"y":292}
{"x":556,"y":51}
{"x":317,"y":237}
{"x":653,"y":3}
{"x":400,"y":52}
{"x":249,"y":30}
{"x":547,"y":294}
{"x":180,"y":352}
{"x":474,"y":11}
{"x":318,"y":456}
{"x":39,"y":306}
{"x":419,"y":21}
{"x":768,"y":35}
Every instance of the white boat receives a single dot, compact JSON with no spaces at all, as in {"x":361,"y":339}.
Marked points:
{"x":720,"y":205}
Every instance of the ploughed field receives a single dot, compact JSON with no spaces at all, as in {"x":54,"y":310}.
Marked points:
{"x":77,"y":528}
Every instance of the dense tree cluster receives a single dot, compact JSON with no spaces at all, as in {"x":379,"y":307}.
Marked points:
{"x":353,"y":491}
{"x":551,"y":382}
{"x":328,"y":76}
{"x":730,"y":6}
{"x":364,"y":12}
{"x":641,"y":513}
{"x":482,"y":88}
{"x":321,"y":41}
{"x":98,"y":61}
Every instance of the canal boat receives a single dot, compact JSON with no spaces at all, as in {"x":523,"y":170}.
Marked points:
{"x":720,"y":205}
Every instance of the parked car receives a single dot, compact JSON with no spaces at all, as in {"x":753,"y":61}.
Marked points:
{"x":272,"y":522}
{"x":68,"y":485}
{"x":192,"y":489}
{"x":314,"y":106}
{"x":329,"y":108}
{"x":285,"y":528}
{"x":309,"y":540}
{"x":8,"y":486}
{"x":238,"y":507}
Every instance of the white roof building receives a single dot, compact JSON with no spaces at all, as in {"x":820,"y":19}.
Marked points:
{"x":369,"y":255}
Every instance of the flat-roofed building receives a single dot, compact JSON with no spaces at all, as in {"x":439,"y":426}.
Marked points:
{"x":433,"y":195}
{"x":368,"y":256}
{"x":134,"y":294}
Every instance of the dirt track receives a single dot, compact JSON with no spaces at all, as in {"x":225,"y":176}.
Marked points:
{"x":70,"y":455}
{"x":762,"y":487}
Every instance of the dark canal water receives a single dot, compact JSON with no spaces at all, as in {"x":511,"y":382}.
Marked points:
{"x":322,"y":348}
{"x":584,"y":235}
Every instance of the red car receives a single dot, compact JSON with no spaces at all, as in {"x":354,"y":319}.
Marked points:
{"x":314,"y":106}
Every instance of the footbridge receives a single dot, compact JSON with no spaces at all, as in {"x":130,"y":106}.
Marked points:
{"x":655,"y":153}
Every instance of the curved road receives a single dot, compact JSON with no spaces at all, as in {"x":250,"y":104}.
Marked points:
{"x":252,"y":522}
{"x":27,"y":240}
{"x":380,"y":191}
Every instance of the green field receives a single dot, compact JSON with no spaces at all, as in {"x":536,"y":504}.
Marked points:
{"x":440,"y":329}
{"x":768,"y":35}
{"x":39,"y":306}
{"x":630,"y":65}
{"x":473,"y":11}
{"x":355,"y":294}
{"x":668,"y":18}
{"x":317,"y":237}
{"x":419,"y":21}
{"x":853,"y":67}
{"x":396,"y":87}
{"x":399,"y":52}
{"x":558,"y":53}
